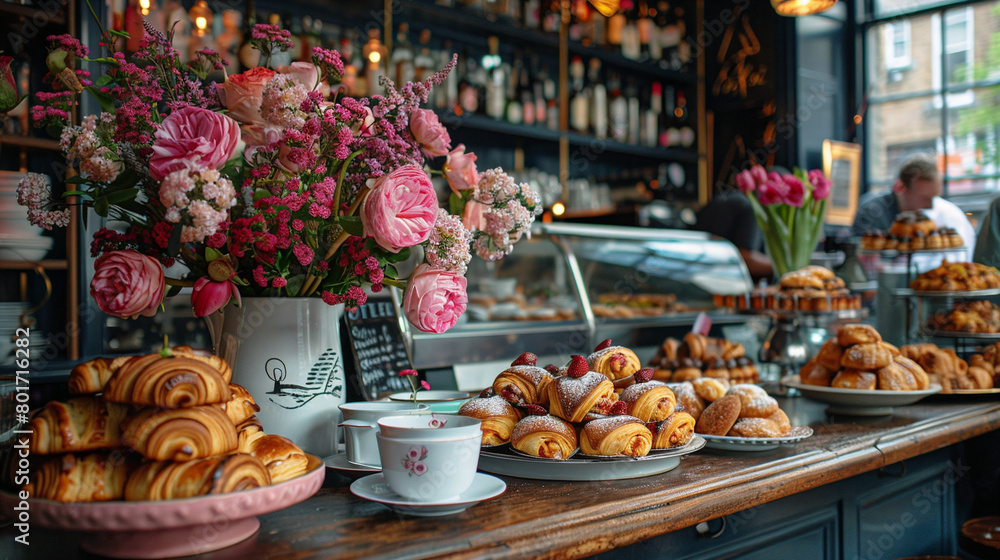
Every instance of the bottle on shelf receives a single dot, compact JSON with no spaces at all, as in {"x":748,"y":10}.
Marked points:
{"x":634,"y":113}
{"x":497,"y":73}
{"x":650,"y":127}
{"x":446,"y":95}
{"x":375,"y":54}
{"x":599,"y":101}
{"x":531,"y":14}
{"x":579,"y":104}
{"x":551,"y":96}
{"x":538,"y":92}
{"x":631,"y":48}
{"x":401,"y":65}
{"x":617,"y":110}
{"x":425,"y":60}
{"x":472,"y":81}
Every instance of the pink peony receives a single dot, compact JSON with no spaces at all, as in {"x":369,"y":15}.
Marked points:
{"x":745,"y":181}
{"x":193,"y":137}
{"x":242,"y":93}
{"x":304,"y":73}
{"x":821,"y":185}
{"x":796,"y":191}
{"x":127,"y":284}
{"x":759,"y":174}
{"x":209,"y":296}
{"x":434,"y":299}
{"x":429,"y":133}
{"x":460,"y":169}
{"x":401,"y":208}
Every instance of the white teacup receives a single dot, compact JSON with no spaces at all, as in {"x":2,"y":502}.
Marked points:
{"x":360,"y":427}
{"x":429,"y":471}
{"x":433,"y":427}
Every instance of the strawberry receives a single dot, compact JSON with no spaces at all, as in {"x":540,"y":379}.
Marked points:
{"x":487,"y":393}
{"x":643,"y":375}
{"x":526,"y":359}
{"x":619,"y":408}
{"x":605,"y":344}
{"x":651,"y":426}
{"x":578,"y":367}
{"x":536,"y":410}
{"x":509,"y":395}
{"x":552,"y":368}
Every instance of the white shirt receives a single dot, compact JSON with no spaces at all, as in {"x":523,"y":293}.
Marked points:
{"x":946,"y":214}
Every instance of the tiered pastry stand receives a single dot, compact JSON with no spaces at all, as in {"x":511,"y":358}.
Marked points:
{"x":964,"y":343}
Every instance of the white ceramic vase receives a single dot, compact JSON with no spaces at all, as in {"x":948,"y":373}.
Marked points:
{"x":287,"y":353}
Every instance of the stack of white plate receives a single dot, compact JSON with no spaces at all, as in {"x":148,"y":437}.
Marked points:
{"x":19,"y":240}
{"x":10,"y":321}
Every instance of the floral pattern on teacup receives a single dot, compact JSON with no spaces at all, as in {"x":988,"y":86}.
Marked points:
{"x":436,"y":422}
{"x":413,"y":462}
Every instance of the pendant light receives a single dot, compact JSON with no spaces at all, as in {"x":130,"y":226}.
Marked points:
{"x":801,"y":7}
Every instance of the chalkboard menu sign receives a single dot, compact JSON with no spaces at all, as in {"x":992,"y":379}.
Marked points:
{"x":379,"y":348}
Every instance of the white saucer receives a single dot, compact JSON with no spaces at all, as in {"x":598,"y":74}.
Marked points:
{"x":339,"y":464}
{"x":374,"y":488}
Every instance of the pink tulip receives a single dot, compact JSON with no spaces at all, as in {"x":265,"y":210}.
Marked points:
{"x":193,"y":137}
{"x":127,"y":284}
{"x":796,"y":191}
{"x":209,"y":296}
{"x":821,"y":185}
{"x":745,"y":181}
{"x":759,"y":174}
{"x":401,"y":209}
{"x":769,"y":193}
{"x":460,"y":169}
{"x":434,"y":299}
{"x":429,"y":133}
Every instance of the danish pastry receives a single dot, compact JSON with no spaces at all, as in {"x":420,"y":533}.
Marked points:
{"x":755,"y":428}
{"x":719,"y":417}
{"x":523,"y":384}
{"x":710,"y":388}
{"x":675,"y":430}
{"x":616,"y":435}
{"x":89,"y":377}
{"x":829,"y":355}
{"x":687,"y":399}
{"x":544,"y":436}
{"x":857,"y":333}
{"x":170,"y":480}
{"x":867,"y":356}
{"x":781,"y":420}
{"x":649,"y":401}
{"x":571,"y":398}
{"x":82,"y":477}
{"x":80,"y":424}
{"x":754,"y":401}
{"x":615,"y":362}
{"x":497,"y":415}
{"x":815,"y":374}
{"x":240,"y":406}
{"x":855,"y":379}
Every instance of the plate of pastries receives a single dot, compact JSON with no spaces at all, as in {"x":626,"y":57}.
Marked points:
{"x":697,"y":355}
{"x":976,"y":317}
{"x":977,"y":376}
{"x":744,"y":417}
{"x":150,"y":450}
{"x":857,"y":373}
{"x":627,"y":306}
{"x":912,"y":231}
{"x":811,"y":289}
{"x":963,"y":278}
{"x":599,"y":417}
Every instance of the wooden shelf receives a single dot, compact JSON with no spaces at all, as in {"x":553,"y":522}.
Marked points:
{"x":479,"y":24}
{"x":47,"y":264}
{"x":29,"y":142}
{"x":625,"y":65}
{"x":35,"y":14}
{"x":487,"y":124}
{"x":610,"y":146}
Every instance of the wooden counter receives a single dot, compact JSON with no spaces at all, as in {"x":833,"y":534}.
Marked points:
{"x":548,"y":519}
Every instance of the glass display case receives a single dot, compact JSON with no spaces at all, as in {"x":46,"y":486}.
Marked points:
{"x":573,"y":285}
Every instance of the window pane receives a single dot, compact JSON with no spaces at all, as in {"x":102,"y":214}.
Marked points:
{"x":900,"y":57}
{"x":973,"y":131}
{"x":958,"y":45}
{"x":884,"y":8}
{"x":898,"y":130}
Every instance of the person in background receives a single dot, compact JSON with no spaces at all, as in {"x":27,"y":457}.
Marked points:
{"x":917,"y":188}
{"x":729,"y":216}
{"x":988,"y":243}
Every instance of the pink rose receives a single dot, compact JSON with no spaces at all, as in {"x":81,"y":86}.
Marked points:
{"x":472,"y":216}
{"x":460,"y":169}
{"x":434,"y":299}
{"x":821,"y":185}
{"x":759,"y":174}
{"x":429,"y":133}
{"x":304,"y":73}
{"x":127,"y":284}
{"x":209,"y":296}
{"x":400,"y":209}
{"x":241,"y":94}
{"x":193,"y":137}
{"x":796,"y":191}
{"x":745,"y":181}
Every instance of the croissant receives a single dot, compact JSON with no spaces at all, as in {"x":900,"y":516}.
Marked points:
{"x":497,"y":415}
{"x":247,"y":432}
{"x":79,"y":424}
{"x":281,"y":457}
{"x":169,"y":480}
{"x":571,"y":398}
{"x":89,"y":477}
{"x":546,"y":436}
{"x":615,"y":362}
{"x":523,"y":384}
{"x":616,"y":435}
{"x":241,"y":406}
{"x":651,"y":401}
{"x":180,"y":434}
{"x":90,"y":377}
{"x":175,"y":381}
{"x":675,"y":430}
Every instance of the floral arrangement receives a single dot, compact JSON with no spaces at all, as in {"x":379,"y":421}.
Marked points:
{"x":789,"y":210}
{"x":411,"y":377}
{"x":272,"y":183}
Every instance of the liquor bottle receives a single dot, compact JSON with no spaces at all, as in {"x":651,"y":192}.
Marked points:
{"x":471,"y":86}
{"x":537,"y":90}
{"x":644,"y":29}
{"x":617,"y":110}
{"x":615,"y":30}
{"x":496,"y":79}
{"x":551,"y":96}
{"x":631,"y":47}
{"x":446,"y":94}
{"x":425,"y":59}
{"x":401,"y":65}
{"x":652,"y":115}
{"x":634,"y":114}
{"x":514,"y":111}
{"x":526,"y":94}
{"x":579,"y":104}
{"x":599,"y":100}
{"x":531,"y":14}
{"x":375,"y":56}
